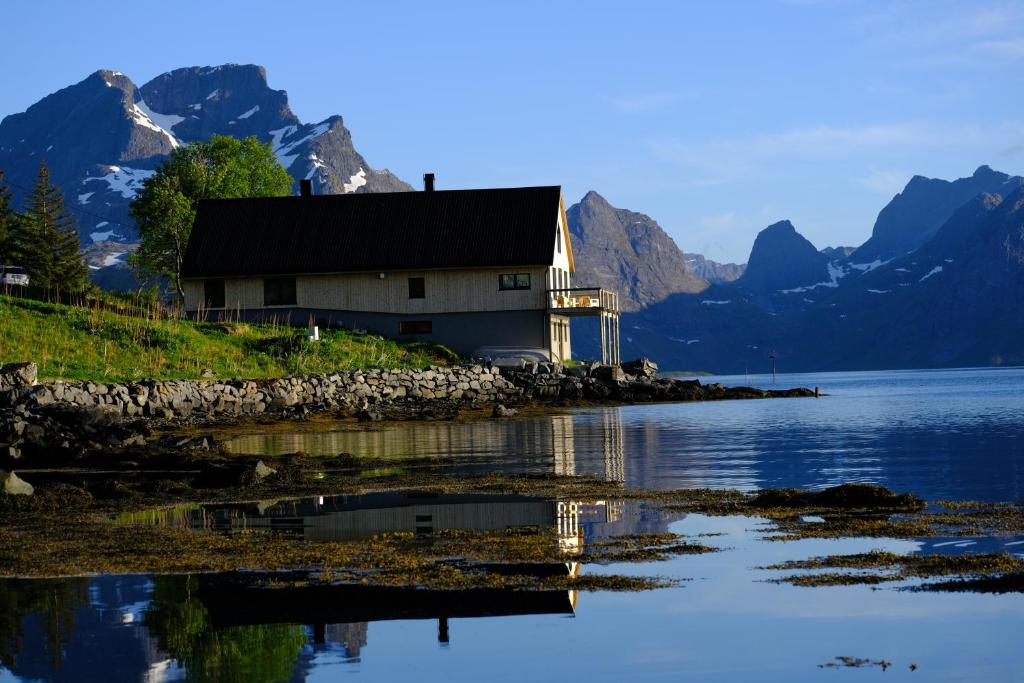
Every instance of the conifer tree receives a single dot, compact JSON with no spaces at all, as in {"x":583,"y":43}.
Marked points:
{"x":46,"y":239}
{"x":7,"y":218}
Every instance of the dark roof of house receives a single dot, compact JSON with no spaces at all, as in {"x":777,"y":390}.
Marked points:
{"x":368,"y":232}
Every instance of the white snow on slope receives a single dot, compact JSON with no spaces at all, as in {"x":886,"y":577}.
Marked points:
{"x":162,"y":123}
{"x":283,"y":150}
{"x":84,"y":197}
{"x":250,"y":112}
{"x":213,"y":94}
{"x":709,"y":302}
{"x":127,"y":181}
{"x":101,"y":236}
{"x":684,"y":341}
{"x":835,"y":273}
{"x":868,"y":267}
{"x":879,"y":291}
{"x":315,"y":165}
{"x":356,"y":181}
{"x":114,"y":258}
{"x":933,"y":271}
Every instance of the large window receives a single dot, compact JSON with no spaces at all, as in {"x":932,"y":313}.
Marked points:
{"x":417,"y":288}
{"x":279,"y":291}
{"x":514,"y":281}
{"x":213,"y":293}
{"x":415,"y":327}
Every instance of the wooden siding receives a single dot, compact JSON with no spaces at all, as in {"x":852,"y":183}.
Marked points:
{"x":451,"y":291}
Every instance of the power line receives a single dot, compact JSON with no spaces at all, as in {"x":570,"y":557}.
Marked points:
{"x":72,"y":208}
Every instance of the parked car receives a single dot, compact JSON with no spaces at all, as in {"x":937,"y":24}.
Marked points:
{"x":13,"y":275}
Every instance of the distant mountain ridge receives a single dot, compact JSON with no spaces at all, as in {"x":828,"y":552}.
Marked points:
{"x":103,"y":136}
{"x":955,"y":299}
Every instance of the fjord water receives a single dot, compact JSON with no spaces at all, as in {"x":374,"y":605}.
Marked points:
{"x":942,"y":434}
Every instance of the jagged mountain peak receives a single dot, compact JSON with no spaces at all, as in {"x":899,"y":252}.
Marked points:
{"x":628,"y":252}
{"x":782,"y":258}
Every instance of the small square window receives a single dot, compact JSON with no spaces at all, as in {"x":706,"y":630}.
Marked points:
{"x":417,"y":288}
{"x":279,"y":291}
{"x":213,"y":293}
{"x":415,"y":327}
{"x":514,"y":281}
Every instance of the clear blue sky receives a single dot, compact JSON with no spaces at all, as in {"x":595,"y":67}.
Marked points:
{"x":715,"y":118}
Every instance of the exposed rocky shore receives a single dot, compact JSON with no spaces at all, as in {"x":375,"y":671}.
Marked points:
{"x":75,"y":417}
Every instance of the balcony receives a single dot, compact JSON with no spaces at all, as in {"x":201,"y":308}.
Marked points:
{"x":591,"y":301}
{"x":580,"y":301}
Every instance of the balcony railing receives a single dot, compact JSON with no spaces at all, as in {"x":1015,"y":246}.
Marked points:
{"x":583,"y":300}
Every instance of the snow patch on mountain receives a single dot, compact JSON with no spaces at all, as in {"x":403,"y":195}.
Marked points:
{"x":835,"y":273}
{"x":315,"y":165}
{"x":114,"y":258}
{"x":84,"y":197}
{"x":127,"y":181}
{"x":250,"y":112}
{"x":161,"y":123}
{"x":933,"y":271}
{"x":355,"y":182}
{"x":710,"y":302}
{"x":283,"y":150}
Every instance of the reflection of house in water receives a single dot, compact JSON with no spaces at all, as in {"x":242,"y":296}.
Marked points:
{"x":337,"y":518}
{"x":530,"y":444}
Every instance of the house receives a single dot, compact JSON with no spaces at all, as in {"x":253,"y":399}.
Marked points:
{"x":485,"y":272}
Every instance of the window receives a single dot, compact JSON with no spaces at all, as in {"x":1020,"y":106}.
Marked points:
{"x":514,"y":281}
{"x":213,"y":293}
{"x":417,"y":288}
{"x":558,"y":237}
{"x":415,"y":326}
{"x":279,"y":291}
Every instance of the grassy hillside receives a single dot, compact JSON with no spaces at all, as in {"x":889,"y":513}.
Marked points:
{"x":95,"y":343}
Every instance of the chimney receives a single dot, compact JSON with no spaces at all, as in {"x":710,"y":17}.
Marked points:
{"x":305,"y":188}
{"x":428,"y":182}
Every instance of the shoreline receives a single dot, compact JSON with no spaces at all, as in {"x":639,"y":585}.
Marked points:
{"x":67,"y":421}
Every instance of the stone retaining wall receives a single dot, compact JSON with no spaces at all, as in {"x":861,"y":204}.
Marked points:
{"x":355,"y":390}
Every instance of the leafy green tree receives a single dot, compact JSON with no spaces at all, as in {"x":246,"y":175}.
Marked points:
{"x":221,"y":167}
{"x":46,"y":239}
{"x":263,"y":653}
{"x":7,"y":218}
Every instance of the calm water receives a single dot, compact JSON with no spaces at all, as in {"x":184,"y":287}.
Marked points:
{"x":942,"y":434}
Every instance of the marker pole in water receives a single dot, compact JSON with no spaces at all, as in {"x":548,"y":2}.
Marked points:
{"x":771,"y":357}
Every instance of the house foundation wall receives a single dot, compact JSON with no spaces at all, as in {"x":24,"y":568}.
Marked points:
{"x":461,"y":332}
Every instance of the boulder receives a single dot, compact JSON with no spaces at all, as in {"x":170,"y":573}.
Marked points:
{"x":502,"y":411}
{"x":641,"y":367}
{"x":13,"y":485}
{"x":18,"y":375}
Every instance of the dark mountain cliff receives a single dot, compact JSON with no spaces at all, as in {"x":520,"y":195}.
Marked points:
{"x":782,"y":258}
{"x":915,"y":214}
{"x":627,"y":252}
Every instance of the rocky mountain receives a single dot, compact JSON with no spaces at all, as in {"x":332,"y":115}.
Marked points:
{"x":627,"y":252}
{"x":103,"y":136}
{"x":838,"y":252}
{"x":915,"y":214}
{"x":781,"y":259}
{"x":712,"y":271}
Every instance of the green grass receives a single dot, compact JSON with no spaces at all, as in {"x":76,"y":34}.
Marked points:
{"x":96,"y":343}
